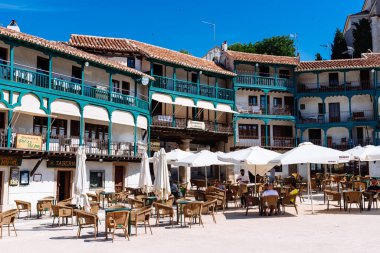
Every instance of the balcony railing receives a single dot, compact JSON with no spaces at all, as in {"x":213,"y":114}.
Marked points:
{"x":336,"y":117}
{"x":181,"y":123}
{"x":276,"y":142}
{"x":62,"y":84}
{"x":264,"y":81}
{"x":334,"y":87}
{"x":191,"y":88}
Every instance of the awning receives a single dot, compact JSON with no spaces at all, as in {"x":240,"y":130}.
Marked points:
{"x":65,"y":108}
{"x":205,"y":105}
{"x":123,"y":118}
{"x":184,"y":102}
{"x":162,"y":98}
{"x":224,"y":108}
{"x":142,"y":122}
{"x":95,"y":112}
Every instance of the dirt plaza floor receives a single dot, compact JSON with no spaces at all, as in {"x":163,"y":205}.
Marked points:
{"x":332,"y":231}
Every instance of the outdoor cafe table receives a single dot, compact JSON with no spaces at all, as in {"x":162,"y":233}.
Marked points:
{"x":180,"y":204}
{"x":109,"y":210}
{"x":149,"y":200}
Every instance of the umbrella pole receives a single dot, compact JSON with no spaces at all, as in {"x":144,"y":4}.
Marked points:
{"x":309,"y":188}
{"x":359,"y":169}
{"x":206,"y":176}
{"x":219,"y":172}
{"x":255,"y":180}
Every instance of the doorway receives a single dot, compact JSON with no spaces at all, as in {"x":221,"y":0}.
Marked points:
{"x":334,"y":112}
{"x":64,"y":183}
{"x":119,"y":178}
{"x":315,"y":136}
{"x":1,"y":188}
{"x":364,"y":79}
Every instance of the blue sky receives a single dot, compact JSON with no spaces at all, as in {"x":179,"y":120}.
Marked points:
{"x":177,"y":24}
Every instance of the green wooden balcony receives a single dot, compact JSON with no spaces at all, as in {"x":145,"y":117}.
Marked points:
{"x":252,"y":81}
{"x":193,"y":89}
{"x":67,"y":85}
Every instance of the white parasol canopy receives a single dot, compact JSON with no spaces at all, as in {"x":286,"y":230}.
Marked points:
{"x":309,"y":153}
{"x":367,"y":153}
{"x":161,"y":186}
{"x":80,"y":180}
{"x":203,"y":158}
{"x":145,"y":180}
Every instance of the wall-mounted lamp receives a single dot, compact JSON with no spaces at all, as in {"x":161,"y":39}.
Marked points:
{"x":372,"y":70}
{"x":200,"y":72}
{"x":256,"y":64}
{"x":86,"y":64}
{"x":101,"y":160}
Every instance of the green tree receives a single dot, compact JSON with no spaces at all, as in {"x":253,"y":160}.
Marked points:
{"x":318,"y":57}
{"x":277,"y":45}
{"x":362,"y":37}
{"x":184,"y":51}
{"x":339,"y":46}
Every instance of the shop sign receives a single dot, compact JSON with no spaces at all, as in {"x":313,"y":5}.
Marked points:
{"x":10,"y":160}
{"x":61,"y":163}
{"x":196,"y":125}
{"x":26,"y":141}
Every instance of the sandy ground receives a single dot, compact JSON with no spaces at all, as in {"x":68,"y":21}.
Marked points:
{"x":333,"y":231}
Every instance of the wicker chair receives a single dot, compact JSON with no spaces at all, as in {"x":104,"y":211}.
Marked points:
{"x":87,"y":220}
{"x":135,"y":203}
{"x":7,"y":219}
{"x":289,"y":200}
{"x":359,"y":186}
{"x":209,"y":208}
{"x":117,"y":220}
{"x":232,"y":195}
{"x":61,"y":211}
{"x":23,"y":206}
{"x":354,"y":198}
{"x":269,"y":202}
{"x":44,"y":205}
{"x":122,"y":197}
{"x":164,"y":210}
{"x":92,"y":197}
{"x":193,"y":211}
{"x":333,"y":196}
{"x":65,"y":201}
{"x":141,"y":216}
{"x":251,"y":201}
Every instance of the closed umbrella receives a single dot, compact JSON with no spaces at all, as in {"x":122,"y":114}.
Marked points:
{"x":308,"y":153}
{"x":145,"y":180}
{"x":161,"y":186}
{"x":80,"y":179}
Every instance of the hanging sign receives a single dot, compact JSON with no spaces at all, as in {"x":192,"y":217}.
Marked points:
{"x":196,"y":125}
{"x":26,"y":141}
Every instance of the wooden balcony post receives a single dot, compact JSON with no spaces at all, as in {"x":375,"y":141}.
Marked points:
{"x":82,"y":80}
{"x":48,"y":132}
{"x":325,"y":137}
{"x":9,"y":129}
{"x":275,"y":76}
{"x":215,"y":121}
{"x":135,"y":137}
{"x":110,"y":86}
{"x":134,"y":80}
{"x":110,"y":134}
{"x":81,"y":127}
{"x":12,"y":60}
{"x":198,"y":83}
{"x":174,"y":78}
{"x":50,"y":69}
{"x":173,"y":119}
{"x":216,"y":88}
{"x":266,"y":134}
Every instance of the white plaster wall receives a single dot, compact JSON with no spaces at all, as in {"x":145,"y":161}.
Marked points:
{"x":374,"y":169}
{"x":122,"y":133}
{"x":311,"y":105}
{"x":107,"y":167}
{"x":133,"y":175}
{"x":95,"y":76}
{"x":27,"y":57}
{"x":64,"y":67}
{"x":362,"y":103}
{"x":337,"y":133}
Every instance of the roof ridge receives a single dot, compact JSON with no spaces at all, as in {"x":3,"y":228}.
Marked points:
{"x":293,"y":57}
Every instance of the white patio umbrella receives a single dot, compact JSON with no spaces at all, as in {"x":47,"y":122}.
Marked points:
{"x":145,"y":180}
{"x":161,"y":186}
{"x":367,"y":153}
{"x":175,"y":155}
{"x":80,"y":179}
{"x":308,"y":153}
{"x":155,"y":161}
{"x":255,"y":159}
{"x":203,"y":158}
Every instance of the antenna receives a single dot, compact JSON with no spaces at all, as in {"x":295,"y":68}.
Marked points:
{"x":212,"y":24}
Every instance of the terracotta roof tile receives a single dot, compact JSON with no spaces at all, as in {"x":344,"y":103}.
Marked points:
{"x":66,"y":49}
{"x":148,"y":50}
{"x":263,"y":58}
{"x":368,"y":60}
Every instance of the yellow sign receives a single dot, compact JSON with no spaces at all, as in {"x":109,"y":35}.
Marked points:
{"x":25,"y":141}
{"x":155,"y":146}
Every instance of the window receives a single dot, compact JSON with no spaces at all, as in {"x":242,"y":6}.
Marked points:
{"x":58,"y":126}
{"x":277,"y":102}
{"x":333,"y":79}
{"x":264,"y":71}
{"x":97,"y":179}
{"x":76,"y":74}
{"x":282,"y":131}
{"x":302,"y":106}
{"x":194,"y":77}
{"x":125,"y":88}
{"x":116,"y":85}
{"x":320,"y":108}
{"x":75,"y":128}
{"x":284,"y":73}
{"x":2,"y":120}
{"x":42,"y":65}
{"x":248,"y":130}
{"x":96,"y":132}
{"x":131,"y":62}
{"x":3,"y":55}
{"x":252,"y":100}
{"x":39,"y":125}
{"x":122,"y":87}
{"x":157,"y":70}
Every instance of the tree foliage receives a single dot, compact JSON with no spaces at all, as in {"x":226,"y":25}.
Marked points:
{"x":277,"y":45}
{"x":318,"y":57}
{"x":339,"y":46}
{"x":362,"y":37}
{"x":184,"y":51}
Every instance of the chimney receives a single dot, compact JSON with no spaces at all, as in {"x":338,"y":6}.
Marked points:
{"x":13,"y":26}
{"x":224,"y":46}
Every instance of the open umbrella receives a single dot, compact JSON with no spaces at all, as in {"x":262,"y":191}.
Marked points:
{"x":368,"y":153}
{"x":308,"y":153}
{"x":145,"y":180}
{"x":80,"y":180}
{"x":203,"y":158}
{"x":161,"y":186}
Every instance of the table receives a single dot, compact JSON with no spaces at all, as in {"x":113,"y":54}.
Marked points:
{"x":180,"y":204}
{"x":149,"y":200}
{"x":109,"y":210}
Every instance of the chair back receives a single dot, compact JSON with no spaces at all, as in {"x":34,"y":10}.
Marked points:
{"x":9,"y":216}
{"x":353,"y":197}
{"x":359,"y":186}
{"x":44,"y":205}
{"x":94,"y":207}
{"x":117,"y":219}
{"x":270,"y":200}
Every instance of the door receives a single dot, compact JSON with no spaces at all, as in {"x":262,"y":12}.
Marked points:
{"x":262,"y":102}
{"x":64,"y":184}
{"x":360,"y":136}
{"x":364,"y":79}
{"x":333,"y":79}
{"x":76,"y":74}
{"x":263,"y":137}
{"x":289,"y":104}
{"x":3,"y":55}
{"x":42,"y":65}
{"x":158,"y":70}
{"x":119,"y":178}
{"x":315,"y":136}
{"x":334,"y":112}
{"x":1,"y":188}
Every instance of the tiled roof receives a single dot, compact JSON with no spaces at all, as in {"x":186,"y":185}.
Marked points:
{"x":368,"y":60}
{"x":263,"y":58}
{"x":97,"y":43}
{"x":68,"y":50}
{"x":148,"y":50}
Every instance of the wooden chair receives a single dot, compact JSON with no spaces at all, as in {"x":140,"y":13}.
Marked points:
{"x":269,"y":202}
{"x":122,"y":197}
{"x":193,"y":211}
{"x":141,"y":216}
{"x":87,"y":220}
{"x":252,"y":201}
{"x":209,"y":208}
{"x":92,"y":197}
{"x":135,"y":203}
{"x":354,"y":198}
{"x":164,"y":210}
{"x":117,"y":220}
{"x":23,"y":206}
{"x":359,"y":186}
{"x":289,"y":200}
{"x":43,"y":206}
{"x":333,"y":196}
{"x":60,"y":211}
{"x":7,"y":219}
{"x":65,"y":201}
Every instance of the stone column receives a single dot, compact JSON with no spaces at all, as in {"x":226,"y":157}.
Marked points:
{"x":185,"y":172}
